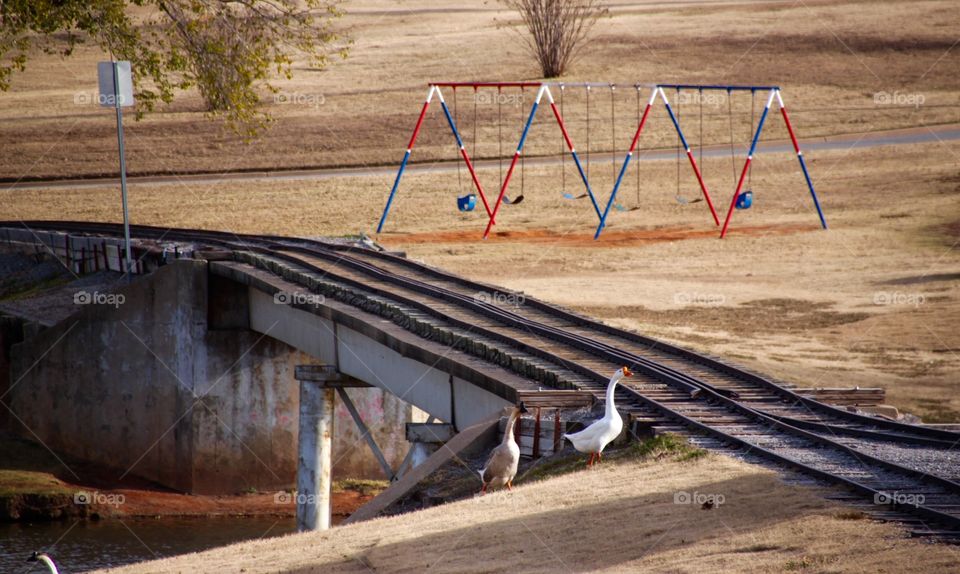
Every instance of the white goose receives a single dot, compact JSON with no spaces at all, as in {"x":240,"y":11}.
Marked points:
{"x":595,"y":437}
{"x":501,"y":465}
{"x":44,"y":558}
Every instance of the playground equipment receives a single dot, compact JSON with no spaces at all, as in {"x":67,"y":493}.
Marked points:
{"x":741,"y":199}
{"x":736,"y":201}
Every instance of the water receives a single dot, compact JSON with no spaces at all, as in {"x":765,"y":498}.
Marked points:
{"x":84,"y":545}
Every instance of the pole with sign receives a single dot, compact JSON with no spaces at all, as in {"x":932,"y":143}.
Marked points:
{"x":116,"y":91}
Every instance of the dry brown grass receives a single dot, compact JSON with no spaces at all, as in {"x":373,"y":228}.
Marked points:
{"x":616,"y":518}
{"x":831,"y":58}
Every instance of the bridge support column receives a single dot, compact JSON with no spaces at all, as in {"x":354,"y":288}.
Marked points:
{"x":314,"y":462}
{"x":318,"y":387}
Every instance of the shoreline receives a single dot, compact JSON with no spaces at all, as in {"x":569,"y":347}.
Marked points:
{"x":35,"y":486}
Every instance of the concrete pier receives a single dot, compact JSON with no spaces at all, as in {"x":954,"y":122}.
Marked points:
{"x":315,"y":447}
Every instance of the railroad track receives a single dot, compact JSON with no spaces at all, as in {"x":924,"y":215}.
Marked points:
{"x":907,"y":472}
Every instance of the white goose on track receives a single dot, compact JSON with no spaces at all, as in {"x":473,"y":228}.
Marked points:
{"x":598,"y":435}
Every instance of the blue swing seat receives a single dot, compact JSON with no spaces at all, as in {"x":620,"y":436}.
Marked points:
{"x":467,"y":202}
{"x":745,"y":200}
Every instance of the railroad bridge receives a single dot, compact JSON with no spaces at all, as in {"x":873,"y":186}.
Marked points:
{"x":227,"y":325}
{"x":190,"y":380}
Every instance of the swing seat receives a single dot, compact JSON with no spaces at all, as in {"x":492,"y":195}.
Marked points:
{"x":745,"y":200}
{"x":467,"y":202}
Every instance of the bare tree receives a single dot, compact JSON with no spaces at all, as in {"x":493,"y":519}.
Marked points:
{"x":558,"y":29}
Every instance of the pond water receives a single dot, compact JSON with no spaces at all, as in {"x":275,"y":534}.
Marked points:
{"x":84,"y":545}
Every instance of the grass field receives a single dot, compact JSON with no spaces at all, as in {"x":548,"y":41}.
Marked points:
{"x":621,"y":517}
{"x":832,"y":58}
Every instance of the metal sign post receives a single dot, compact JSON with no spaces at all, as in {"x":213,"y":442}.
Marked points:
{"x":116,"y":91}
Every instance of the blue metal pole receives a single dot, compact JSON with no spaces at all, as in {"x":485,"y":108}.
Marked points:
{"x":613,"y":195}
{"x":586,"y":183}
{"x":393,"y":192}
{"x":813,"y":194}
{"x":676,"y":124}
{"x":453,"y":127}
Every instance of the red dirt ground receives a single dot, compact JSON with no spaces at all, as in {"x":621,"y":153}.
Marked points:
{"x":154,"y":503}
{"x":609,"y":238}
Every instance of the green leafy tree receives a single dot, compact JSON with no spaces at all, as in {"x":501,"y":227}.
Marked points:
{"x":228,"y":49}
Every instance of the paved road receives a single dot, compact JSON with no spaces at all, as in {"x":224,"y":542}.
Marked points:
{"x":842,"y":142}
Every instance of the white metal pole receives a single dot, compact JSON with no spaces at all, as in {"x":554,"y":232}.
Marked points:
{"x":123,"y":167}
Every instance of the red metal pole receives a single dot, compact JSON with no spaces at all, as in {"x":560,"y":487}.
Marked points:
{"x":416,"y":129}
{"x":503,"y":190}
{"x":486,"y":84}
{"x":703,"y":186}
{"x":476,"y":181}
{"x":733,"y":203}
{"x":563,"y":128}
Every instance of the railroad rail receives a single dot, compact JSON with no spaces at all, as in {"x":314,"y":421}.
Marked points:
{"x":906,"y":470}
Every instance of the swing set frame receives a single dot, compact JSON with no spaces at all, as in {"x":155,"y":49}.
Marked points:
{"x":543,"y":89}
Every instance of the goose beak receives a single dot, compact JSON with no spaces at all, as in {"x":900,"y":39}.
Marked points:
{"x":523,"y":407}
{"x":626,"y":372}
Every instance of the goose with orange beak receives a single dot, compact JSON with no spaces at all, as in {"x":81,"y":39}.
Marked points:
{"x":595,"y":437}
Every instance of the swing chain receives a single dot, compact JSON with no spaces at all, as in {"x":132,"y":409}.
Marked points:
{"x":679,"y":106}
{"x":522,"y":155}
{"x":563,"y":153}
{"x":613,"y":136}
{"x":588,"y":132}
{"x":500,"y":133}
{"x":638,"y":159}
{"x":456,"y":121}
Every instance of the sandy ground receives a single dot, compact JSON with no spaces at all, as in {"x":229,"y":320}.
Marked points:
{"x":846,"y":67}
{"x":621,"y":517}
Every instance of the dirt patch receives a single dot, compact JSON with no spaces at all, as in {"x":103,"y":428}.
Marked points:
{"x":609,"y":238}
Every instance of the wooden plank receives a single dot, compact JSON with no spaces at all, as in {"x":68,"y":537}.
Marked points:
{"x":556,"y":398}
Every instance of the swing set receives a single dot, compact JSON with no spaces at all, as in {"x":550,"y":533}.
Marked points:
{"x":742,"y":198}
